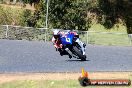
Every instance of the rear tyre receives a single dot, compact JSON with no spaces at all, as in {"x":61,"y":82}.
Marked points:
{"x":79,"y":53}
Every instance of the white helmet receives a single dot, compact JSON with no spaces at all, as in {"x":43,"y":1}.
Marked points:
{"x":55,"y":32}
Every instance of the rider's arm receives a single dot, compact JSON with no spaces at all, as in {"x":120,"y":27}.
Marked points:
{"x":54,"y":42}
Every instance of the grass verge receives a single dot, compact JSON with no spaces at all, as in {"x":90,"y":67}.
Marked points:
{"x":106,"y":39}
{"x":51,"y":84}
{"x":68,"y":80}
{"x":117,"y":35}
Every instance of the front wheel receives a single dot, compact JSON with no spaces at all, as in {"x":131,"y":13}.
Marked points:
{"x":79,"y":53}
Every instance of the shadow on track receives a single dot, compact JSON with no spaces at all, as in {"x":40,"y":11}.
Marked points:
{"x":76,"y":60}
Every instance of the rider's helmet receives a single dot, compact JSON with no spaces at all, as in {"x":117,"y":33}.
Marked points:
{"x":56,"y":33}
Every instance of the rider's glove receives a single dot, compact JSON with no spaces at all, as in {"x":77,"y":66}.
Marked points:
{"x":55,"y":46}
{"x":61,"y":45}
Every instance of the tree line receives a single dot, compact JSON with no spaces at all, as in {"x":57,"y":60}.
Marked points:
{"x":74,"y":14}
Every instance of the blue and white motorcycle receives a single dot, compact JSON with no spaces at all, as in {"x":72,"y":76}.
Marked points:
{"x":73,"y":46}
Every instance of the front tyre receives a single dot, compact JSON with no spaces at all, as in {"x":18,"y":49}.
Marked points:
{"x":79,"y":53}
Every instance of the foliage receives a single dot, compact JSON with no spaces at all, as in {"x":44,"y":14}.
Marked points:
{"x":25,"y":17}
{"x":12,"y":16}
{"x":9,"y":16}
{"x":113,"y":10}
{"x":67,"y":14}
{"x":73,"y":14}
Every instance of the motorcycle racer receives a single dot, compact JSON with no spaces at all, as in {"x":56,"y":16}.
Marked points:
{"x":57,"y":42}
{"x":57,"y":34}
{"x":55,"y":39}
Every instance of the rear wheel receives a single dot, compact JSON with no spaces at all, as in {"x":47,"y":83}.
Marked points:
{"x":79,"y":53}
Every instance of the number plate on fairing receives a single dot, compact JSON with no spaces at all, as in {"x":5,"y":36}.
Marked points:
{"x":67,"y":39}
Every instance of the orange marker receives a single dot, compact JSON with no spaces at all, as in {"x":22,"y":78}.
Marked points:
{"x":85,"y":81}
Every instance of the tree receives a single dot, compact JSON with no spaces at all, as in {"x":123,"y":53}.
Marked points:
{"x":64,"y":14}
{"x":115,"y":9}
{"x":68,"y":14}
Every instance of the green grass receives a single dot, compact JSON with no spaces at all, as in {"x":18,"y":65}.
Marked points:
{"x":42,"y":84}
{"x":99,"y":38}
{"x":116,"y":28}
{"x":106,"y":39}
{"x":51,"y":84}
{"x":109,"y":39}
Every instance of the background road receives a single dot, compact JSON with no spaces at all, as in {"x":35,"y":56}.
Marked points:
{"x":34,"y":56}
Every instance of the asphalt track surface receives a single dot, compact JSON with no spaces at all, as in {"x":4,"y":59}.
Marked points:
{"x":34,"y":56}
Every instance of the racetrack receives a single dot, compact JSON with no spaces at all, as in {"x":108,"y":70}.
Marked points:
{"x":34,"y":56}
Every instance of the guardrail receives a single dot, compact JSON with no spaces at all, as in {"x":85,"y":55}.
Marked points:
{"x":42,"y":34}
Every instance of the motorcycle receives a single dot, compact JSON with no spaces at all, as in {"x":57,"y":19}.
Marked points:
{"x":73,"y":46}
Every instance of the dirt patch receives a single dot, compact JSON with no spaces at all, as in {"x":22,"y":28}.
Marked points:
{"x":62,"y":76}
